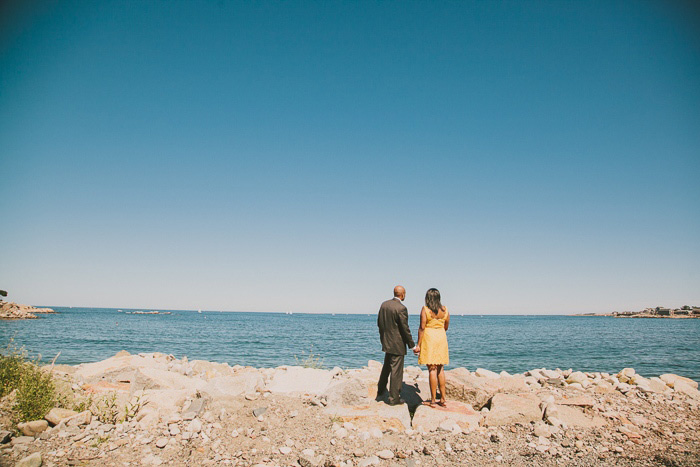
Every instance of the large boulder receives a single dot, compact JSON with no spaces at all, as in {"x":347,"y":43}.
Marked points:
{"x":431,"y":419}
{"x":682,"y":387}
{"x":508,"y":409}
{"x":670,"y":380}
{"x":575,"y":417}
{"x":373,"y":415}
{"x":242,"y":382}
{"x":208,"y":370}
{"x":33,"y":428}
{"x":56,"y":414}
{"x":348,"y":392}
{"x":295,"y":379}
{"x":464,"y":386}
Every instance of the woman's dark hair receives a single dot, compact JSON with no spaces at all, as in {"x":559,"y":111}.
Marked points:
{"x":432,"y":300}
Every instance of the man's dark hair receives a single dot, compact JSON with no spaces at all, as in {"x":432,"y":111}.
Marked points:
{"x":3,"y":293}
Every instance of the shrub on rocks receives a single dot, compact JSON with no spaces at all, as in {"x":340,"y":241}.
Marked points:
{"x":35,"y":389}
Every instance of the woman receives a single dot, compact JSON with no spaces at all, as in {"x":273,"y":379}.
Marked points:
{"x":432,"y":343}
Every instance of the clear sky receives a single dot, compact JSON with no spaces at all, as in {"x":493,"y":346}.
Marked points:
{"x":522,"y":157}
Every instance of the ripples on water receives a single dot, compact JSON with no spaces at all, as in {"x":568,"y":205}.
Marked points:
{"x":511,"y":343}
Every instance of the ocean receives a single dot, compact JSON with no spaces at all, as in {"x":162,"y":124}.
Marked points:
{"x":511,"y":343}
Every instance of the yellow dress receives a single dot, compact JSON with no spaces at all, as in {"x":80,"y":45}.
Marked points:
{"x":433,"y":347}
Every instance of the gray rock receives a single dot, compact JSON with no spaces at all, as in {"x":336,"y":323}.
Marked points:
{"x":194,"y":409}
{"x":5,"y":436}
{"x":33,"y":428}
{"x":259,"y":411}
{"x":32,"y":460}
{"x":22,"y":440}
{"x":371,"y":460}
{"x":508,"y":409}
{"x":83,"y":418}
{"x":385,"y":454}
{"x":195,"y":426}
{"x":55,"y":415}
{"x":309,"y":460}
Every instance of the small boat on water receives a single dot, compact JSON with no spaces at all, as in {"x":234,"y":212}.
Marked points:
{"x":199,"y":311}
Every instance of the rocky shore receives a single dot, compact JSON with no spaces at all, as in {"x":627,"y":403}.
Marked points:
{"x":11,"y":310}
{"x":154,"y":409}
{"x":684,"y":312}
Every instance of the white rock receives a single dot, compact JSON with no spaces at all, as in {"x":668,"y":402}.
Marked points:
{"x":577,"y":377}
{"x":195,"y":426}
{"x":161,"y":442}
{"x":385,"y":454}
{"x":32,"y":460}
{"x":372,"y":460}
{"x":483,"y":373}
{"x":542,"y":430}
{"x":285,"y":450}
{"x":670,"y":380}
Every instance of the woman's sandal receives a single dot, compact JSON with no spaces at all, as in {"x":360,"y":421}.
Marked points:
{"x":429,"y":404}
{"x":442,"y":404}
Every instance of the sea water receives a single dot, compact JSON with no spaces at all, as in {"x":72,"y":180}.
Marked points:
{"x":511,"y":343}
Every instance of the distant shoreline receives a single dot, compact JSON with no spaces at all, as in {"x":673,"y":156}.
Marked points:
{"x":649,"y":316}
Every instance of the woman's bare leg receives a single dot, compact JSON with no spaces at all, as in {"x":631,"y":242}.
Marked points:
{"x":441,"y":381}
{"x":432,"y":378}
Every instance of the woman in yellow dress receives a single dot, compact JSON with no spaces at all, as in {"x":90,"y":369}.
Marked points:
{"x":432,"y":343}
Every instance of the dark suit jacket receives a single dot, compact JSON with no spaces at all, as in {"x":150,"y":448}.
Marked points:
{"x":393,"y":327}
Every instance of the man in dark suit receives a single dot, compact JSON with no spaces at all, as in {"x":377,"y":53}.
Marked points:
{"x":395,"y":336}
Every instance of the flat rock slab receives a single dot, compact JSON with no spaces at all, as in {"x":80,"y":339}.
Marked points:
{"x":574,"y":417}
{"x":373,"y":415}
{"x":580,"y":401}
{"x":294,"y":379}
{"x":106,"y":386}
{"x":508,"y":409}
{"x":430,"y":418}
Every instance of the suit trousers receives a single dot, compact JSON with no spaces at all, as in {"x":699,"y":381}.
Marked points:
{"x":393,"y":365}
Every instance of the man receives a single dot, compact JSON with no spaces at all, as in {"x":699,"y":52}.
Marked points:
{"x":395,"y":336}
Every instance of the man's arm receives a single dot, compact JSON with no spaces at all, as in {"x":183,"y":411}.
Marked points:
{"x":404,"y":330}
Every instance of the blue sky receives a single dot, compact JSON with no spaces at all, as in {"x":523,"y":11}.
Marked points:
{"x":522,"y":157}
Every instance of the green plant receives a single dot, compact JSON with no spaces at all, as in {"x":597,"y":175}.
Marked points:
{"x":12,"y":365}
{"x":36,"y":394}
{"x":99,"y":440}
{"x":106,"y":409}
{"x":132,"y":408}
{"x":35,"y":391}
{"x":84,"y":404}
{"x":311,"y":361}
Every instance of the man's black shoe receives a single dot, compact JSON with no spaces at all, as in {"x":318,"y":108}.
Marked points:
{"x":398,"y":402}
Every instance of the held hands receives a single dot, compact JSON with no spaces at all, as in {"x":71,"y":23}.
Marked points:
{"x":416,"y":350}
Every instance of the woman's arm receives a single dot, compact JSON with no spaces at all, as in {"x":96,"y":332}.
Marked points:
{"x":423,"y":320}
{"x":447,"y":319}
